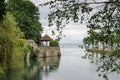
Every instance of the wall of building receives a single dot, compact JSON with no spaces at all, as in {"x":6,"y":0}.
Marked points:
{"x":44,"y":51}
{"x":49,"y":51}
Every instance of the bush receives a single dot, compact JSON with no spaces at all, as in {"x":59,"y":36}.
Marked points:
{"x":54,"y":43}
{"x":21,"y":42}
{"x":34,"y":53}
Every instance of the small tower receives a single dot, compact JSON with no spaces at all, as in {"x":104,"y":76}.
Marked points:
{"x":45,"y":39}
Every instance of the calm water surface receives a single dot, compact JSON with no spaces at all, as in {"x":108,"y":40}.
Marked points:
{"x":74,"y":64}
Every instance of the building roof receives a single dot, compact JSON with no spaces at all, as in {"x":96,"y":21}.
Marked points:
{"x":46,"y":38}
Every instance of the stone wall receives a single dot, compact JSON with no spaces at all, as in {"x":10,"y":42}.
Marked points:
{"x":32,"y":44}
{"x":44,"y":51}
{"x":49,"y":51}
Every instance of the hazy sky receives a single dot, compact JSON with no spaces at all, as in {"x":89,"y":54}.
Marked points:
{"x":74,"y":32}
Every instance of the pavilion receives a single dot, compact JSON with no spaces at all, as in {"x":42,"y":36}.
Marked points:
{"x":45,"y":39}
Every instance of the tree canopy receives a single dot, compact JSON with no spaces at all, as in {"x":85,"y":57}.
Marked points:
{"x":101,"y":17}
{"x":10,"y":57}
{"x":27,"y":16}
{"x":2,"y":9}
{"x":106,"y":23}
{"x":76,"y":10}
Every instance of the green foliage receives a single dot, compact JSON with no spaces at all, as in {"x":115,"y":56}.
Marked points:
{"x":116,"y":53}
{"x":65,"y":11}
{"x":27,"y":16}
{"x":34,"y":53}
{"x":1,"y":70}
{"x":103,"y":23}
{"x":10,"y":57}
{"x":21,"y":42}
{"x":54,"y":43}
{"x":23,"y":48}
{"x":24,"y":52}
{"x":2,"y":9}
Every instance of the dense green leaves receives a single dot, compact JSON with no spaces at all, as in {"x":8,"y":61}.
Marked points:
{"x":22,"y":15}
{"x":10,"y":56}
{"x":27,"y":16}
{"x":2,"y":9}
{"x":54,"y":43}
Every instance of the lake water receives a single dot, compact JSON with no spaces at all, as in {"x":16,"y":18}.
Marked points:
{"x":74,"y":64}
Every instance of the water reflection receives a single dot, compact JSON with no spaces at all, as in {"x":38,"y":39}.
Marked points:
{"x":12,"y":75}
{"x":49,"y":64}
{"x":34,"y":69}
{"x":107,"y":64}
{"x":92,"y":66}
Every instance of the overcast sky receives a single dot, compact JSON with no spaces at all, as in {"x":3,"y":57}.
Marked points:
{"x":74,"y":32}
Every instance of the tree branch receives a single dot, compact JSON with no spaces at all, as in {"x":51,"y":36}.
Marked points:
{"x":103,"y":2}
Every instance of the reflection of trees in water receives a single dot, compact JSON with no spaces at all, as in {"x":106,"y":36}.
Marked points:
{"x":36,"y":67}
{"x":30,"y":72}
{"x":12,"y":75}
{"x":49,"y":64}
{"x":33,"y":70}
{"x":106,"y":63}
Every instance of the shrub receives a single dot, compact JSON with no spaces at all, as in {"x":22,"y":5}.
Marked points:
{"x":54,"y":43}
{"x":21,"y":42}
{"x":34,"y":53}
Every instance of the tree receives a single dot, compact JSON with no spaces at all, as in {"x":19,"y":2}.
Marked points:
{"x":54,"y":43}
{"x":72,"y":10}
{"x":105,"y":21}
{"x":2,"y":9}
{"x":27,"y":16}
{"x":10,"y":57}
